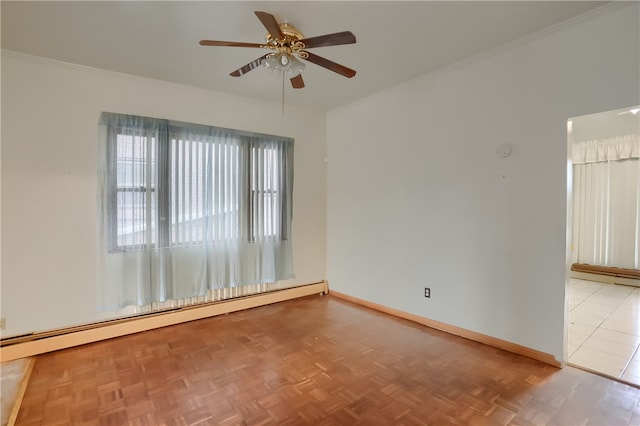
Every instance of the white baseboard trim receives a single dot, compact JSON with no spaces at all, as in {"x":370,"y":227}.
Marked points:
{"x":75,"y":336}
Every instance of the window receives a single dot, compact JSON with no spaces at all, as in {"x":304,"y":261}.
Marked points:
{"x":174,"y":184}
{"x":135,"y":159}
{"x":184,"y":209}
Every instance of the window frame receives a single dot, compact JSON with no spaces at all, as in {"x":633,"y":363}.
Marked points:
{"x":163,"y":164}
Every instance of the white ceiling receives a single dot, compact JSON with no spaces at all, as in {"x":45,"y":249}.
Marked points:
{"x":396,"y":41}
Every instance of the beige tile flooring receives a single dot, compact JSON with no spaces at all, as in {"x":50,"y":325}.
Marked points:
{"x":604,"y":328}
{"x":12,"y":374}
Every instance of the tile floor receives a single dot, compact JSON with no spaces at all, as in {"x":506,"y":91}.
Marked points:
{"x":11,"y":374}
{"x":604,"y":328}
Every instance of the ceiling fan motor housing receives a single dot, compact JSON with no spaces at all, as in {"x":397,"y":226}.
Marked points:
{"x":288,"y":45}
{"x":290,"y":32}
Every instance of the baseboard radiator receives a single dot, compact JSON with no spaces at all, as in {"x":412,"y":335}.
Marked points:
{"x":153,"y":316}
{"x":606,"y":274}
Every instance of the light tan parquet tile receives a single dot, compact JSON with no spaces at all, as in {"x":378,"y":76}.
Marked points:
{"x":312,"y":361}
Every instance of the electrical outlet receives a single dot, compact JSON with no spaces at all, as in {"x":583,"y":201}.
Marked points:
{"x":3,"y":323}
{"x":427,"y":292}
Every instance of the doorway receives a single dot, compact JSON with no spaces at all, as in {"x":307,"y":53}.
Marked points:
{"x":604,"y":204}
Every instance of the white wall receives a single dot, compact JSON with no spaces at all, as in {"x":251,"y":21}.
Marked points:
{"x":418,"y":197}
{"x":604,"y":125}
{"x":49,"y":129}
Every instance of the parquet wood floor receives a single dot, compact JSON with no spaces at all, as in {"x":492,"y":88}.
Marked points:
{"x":312,"y":361}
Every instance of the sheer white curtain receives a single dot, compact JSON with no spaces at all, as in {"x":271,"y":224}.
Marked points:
{"x":185,"y":208}
{"x":606,"y":202}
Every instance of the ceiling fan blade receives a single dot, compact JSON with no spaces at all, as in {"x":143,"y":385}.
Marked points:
{"x":250,"y":66}
{"x":297,"y":82}
{"x":270,"y":23}
{"x":330,"y":65}
{"x":344,"y":37}
{"x":228,"y":43}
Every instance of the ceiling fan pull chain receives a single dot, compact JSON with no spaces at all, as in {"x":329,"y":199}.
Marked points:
{"x":282,"y":72}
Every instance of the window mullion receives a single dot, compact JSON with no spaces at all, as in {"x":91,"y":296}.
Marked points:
{"x":250,"y":194}
{"x":163,"y":186}
{"x":112,"y":188}
{"x":147,"y":184}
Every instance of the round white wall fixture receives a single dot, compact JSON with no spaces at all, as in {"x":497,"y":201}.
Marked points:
{"x":503,"y":150}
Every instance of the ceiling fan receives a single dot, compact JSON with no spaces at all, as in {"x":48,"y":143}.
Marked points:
{"x":287,"y":46}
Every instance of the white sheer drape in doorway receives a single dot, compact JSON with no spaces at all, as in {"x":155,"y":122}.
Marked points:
{"x":606,"y":202}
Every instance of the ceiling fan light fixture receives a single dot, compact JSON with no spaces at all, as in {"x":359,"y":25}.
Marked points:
{"x":284,"y":63}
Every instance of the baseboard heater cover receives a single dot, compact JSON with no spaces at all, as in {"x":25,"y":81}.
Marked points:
{"x":606,"y":270}
{"x":39,"y":343}
{"x":457,"y":331}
